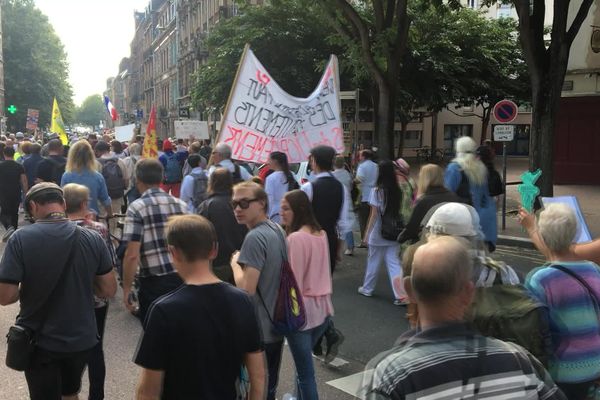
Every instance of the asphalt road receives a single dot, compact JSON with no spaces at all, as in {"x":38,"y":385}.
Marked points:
{"x":370,"y":325}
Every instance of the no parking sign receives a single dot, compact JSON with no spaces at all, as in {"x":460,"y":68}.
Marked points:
{"x":505,"y":111}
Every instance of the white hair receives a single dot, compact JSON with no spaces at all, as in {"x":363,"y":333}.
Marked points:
{"x":475,"y":170}
{"x":557,"y":226}
{"x":224,"y":150}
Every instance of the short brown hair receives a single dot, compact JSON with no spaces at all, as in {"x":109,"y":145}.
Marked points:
{"x":220,"y":181}
{"x":75,"y":195}
{"x":193,"y":235}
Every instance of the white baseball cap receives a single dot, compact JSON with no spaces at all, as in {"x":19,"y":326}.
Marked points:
{"x":454,"y":219}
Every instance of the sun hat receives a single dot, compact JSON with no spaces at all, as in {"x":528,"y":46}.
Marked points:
{"x":454,"y":219}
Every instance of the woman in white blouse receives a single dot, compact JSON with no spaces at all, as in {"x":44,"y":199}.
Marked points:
{"x":278,"y":183}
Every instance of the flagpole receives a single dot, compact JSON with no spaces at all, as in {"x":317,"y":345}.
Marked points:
{"x":237,"y":75}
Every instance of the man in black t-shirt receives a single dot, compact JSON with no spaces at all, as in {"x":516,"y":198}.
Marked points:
{"x":52,"y":168}
{"x":12,"y":181}
{"x":55,"y":291}
{"x":197,"y":337}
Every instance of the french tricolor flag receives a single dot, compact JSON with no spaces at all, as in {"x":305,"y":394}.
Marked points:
{"x":111,"y":109}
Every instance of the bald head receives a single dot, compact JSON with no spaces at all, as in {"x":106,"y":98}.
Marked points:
{"x":441,"y":269}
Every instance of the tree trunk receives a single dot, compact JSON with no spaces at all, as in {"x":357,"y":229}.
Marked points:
{"x":404,"y":125}
{"x":384,"y":124}
{"x":485,"y":121}
{"x":541,"y":140}
{"x":434,"y":120}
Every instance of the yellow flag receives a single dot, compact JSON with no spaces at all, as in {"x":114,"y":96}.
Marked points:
{"x":57,"y":126}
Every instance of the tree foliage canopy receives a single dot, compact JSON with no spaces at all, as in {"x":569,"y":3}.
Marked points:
{"x":287,"y":37}
{"x":91,"y":111}
{"x":35,"y":64}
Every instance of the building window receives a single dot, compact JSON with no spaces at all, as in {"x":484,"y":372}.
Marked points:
{"x":472,"y":4}
{"x":413,"y":139}
{"x":453,"y":132}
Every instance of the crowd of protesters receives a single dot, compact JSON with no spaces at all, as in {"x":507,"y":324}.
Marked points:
{"x":200,"y":244}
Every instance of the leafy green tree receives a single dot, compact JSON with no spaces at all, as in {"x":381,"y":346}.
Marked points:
{"x":547,"y":57}
{"x":35,"y":64}
{"x":91,"y":111}
{"x":286,"y":35}
{"x":377,"y":31}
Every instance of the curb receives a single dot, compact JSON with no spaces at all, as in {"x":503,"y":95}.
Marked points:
{"x":515,"y":241}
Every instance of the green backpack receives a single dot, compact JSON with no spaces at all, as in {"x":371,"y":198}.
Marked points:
{"x":508,"y":312}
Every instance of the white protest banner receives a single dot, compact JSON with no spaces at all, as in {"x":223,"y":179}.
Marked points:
{"x":261,"y":117}
{"x":187,"y":128}
{"x":124,"y":133}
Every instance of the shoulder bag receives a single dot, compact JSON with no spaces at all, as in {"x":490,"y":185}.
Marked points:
{"x":290,"y":314}
{"x":22,"y":339}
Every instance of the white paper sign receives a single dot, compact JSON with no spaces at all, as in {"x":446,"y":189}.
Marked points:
{"x":504,"y":133}
{"x":261,"y":117}
{"x":124,"y":133}
{"x":187,"y":128}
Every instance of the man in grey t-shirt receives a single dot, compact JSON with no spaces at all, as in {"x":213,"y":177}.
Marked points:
{"x":257,"y":267}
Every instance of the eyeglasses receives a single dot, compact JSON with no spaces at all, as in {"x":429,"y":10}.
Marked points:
{"x":243,"y":203}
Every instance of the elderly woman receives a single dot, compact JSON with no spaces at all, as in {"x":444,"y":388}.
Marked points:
{"x":570,"y":287}
{"x":81,"y":169}
{"x":467,"y":176}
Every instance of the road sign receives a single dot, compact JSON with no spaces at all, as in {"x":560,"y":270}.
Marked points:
{"x":505,"y":111}
{"x":504,"y":133}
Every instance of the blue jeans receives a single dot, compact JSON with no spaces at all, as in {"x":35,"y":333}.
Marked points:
{"x":301,"y":344}
{"x":349,"y":238}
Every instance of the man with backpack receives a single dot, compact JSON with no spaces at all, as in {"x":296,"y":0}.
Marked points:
{"x":195,"y":184}
{"x":446,"y":358}
{"x":114,"y":171}
{"x":173,"y":165}
{"x":52,"y":167}
{"x":221,"y":157}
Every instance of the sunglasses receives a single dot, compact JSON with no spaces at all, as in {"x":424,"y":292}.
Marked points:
{"x":243,"y":203}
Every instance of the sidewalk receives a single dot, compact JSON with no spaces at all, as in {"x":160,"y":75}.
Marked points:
{"x":588,"y":197}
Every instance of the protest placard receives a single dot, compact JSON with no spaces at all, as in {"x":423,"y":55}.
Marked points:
{"x":33,"y":117}
{"x":187,"y":128}
{"x":261,"y":117}
{"x":124,"y":133}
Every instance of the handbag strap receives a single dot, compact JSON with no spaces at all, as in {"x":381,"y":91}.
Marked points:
{"x":46,"y":304}
{"x":581,"y":281}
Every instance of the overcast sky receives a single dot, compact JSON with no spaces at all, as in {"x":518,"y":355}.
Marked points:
{"x":96,"y":35}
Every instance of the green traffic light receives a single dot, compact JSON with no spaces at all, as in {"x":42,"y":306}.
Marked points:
{"x":12,"y":109}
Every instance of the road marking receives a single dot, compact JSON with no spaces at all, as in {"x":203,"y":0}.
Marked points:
{"x":352,"y":384}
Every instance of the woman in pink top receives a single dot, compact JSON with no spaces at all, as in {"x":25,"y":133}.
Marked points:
{"x":308,"y":253}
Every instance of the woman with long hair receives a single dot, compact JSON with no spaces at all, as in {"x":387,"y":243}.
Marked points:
{"x":431,"y":193}
{"x":217,"y":209}
{"x":467,"y":176}
{"x":278,"y":183}
{"x":385,"y":199}
{"x":308,"y":253}
{"x":81,"y":169}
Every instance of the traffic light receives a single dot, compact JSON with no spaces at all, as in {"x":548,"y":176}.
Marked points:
{"x":12,"y":109}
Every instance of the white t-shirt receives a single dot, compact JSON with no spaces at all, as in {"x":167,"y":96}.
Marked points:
{"x":276,"y":187}
{"x":367,"y":175}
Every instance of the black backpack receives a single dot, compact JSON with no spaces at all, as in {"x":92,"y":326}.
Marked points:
{"x":115,"y":183}
{"x":495,"y":185}
{"x":200,"y":188}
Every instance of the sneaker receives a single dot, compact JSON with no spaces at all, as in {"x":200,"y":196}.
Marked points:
{"x":8,"y":234}
{"x":362,"y":245}
{"x":334,"y":341}
{"x":401,"y":302}
{"x":349,"y":252}
{"x":362,"y":291}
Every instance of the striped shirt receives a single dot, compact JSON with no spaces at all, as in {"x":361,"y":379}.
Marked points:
{"x":573,"y":319}
{"x":452,"y":362}
{"x":146,"y":222}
